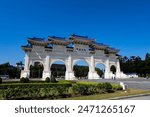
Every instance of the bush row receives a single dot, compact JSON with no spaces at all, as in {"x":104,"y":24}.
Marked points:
{"x":53,"y":90}
{"x":33,"y":90}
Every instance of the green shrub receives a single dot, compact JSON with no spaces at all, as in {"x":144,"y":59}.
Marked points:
{"x":67,"y":81}
{"x":89,"y":88}
{"x":24,"y":80}
{"x":148,"y":75}
{"x":53,"y":80}
{"x":1,"y":80}
{"x":116,"y":87}
{"x":52,"y":90}
{"x":34,"y":91}
{"x":143,"y":75}
{"x":79,"y":89}
{"x":47,"y":79}
{"x":107,"y":87}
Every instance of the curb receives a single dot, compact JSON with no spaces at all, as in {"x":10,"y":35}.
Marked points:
{"x":131,"y":96}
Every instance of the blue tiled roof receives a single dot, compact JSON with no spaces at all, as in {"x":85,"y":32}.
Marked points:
{"x":37,"y":39}
{"x":114,"y":49}
{"x":79,"y":36}
{"x":82,"y":37}
{"x":58,"y":38}
{"x":100,"y":44}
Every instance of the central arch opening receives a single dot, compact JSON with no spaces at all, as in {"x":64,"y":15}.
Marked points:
{"x":100,"y":69}
{"x":36,"y":70}
{"x":58,"y":69}
{"x":81,"y":69}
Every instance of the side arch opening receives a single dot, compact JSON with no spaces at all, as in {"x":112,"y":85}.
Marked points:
{"x":100,"y":69}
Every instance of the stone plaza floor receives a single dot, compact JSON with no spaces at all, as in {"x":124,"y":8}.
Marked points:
{"x":135,"y":83}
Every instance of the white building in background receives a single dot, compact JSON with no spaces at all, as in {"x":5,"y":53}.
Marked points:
{"x":69,"y":51}
{"x":132,"y":75}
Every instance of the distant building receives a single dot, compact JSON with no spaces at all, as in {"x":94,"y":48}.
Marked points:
{"x":132,"y":75}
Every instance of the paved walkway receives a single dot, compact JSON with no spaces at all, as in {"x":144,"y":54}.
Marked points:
{"x":138,"y":98}
{"x":135,"y":83}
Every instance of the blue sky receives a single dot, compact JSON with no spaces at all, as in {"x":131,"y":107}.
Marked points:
{"x":123,"y":24}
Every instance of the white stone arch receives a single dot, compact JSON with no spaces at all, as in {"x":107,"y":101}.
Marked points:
{"x":113,"y":64}
{"x":56,"y":60}
{"x":32,"y":63}
{"x":69,"y":52}
{"x":81,"y":59}
{"x":101,"y":63}
{"x":113,"y":75}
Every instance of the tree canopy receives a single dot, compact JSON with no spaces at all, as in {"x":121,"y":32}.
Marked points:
{"x":135,"y":64}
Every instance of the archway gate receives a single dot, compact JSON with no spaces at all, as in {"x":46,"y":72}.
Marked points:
{"x":58,"y":49}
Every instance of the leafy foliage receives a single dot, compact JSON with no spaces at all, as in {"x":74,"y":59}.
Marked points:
{"x":135,"y":64}
{"x":36,"y":70}
{"x":52,"y":90}
{"x":47,"y":79}
{"x":99,"y":72}
{"x":10,"y":70}
{"x":80,"y":71}
{"x":24,"y":80}
{"x":116,"y":87}
{"x":53,"y":79}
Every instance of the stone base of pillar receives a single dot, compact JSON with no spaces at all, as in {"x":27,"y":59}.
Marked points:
{"x":25,"y":74}
{"x":107,"y":75}
{"x":118,"y":75}
{"x":93,"y":75}
{"x":121,"y":75}
{"x":69,"y":76}
{"x":46,"y":74}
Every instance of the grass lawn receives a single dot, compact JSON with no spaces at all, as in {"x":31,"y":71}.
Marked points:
{"x":130,"y":92}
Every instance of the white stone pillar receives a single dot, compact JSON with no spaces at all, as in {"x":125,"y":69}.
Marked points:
{"x":92,"y":73}
{"x":26,"y":65}
{"x":69,"y":75}
{"x":107,"y":69}
{"x":46,"y":72}
{"x":26,"y":72}
{"x":118,"y":71}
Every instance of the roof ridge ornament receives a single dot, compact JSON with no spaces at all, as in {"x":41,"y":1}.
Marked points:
{"x":79,"y":36}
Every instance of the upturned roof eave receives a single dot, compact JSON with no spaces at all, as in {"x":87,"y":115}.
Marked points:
{"x":36,"y":42}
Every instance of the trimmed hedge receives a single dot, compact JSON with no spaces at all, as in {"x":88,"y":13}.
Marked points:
{"x":33,"y":91}
{"x":53,"y":90}
{"x":24,"y":80}
{"x":47,"y":79}
{"x":116,"y":87}
{"x":52,"y":80}
{"x":91,"y":88}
